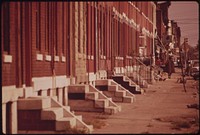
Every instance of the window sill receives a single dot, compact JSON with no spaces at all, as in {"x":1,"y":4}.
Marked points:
{"x":56,"y":58}
{"x":39,"y":57}
{"x":48,"y":57}
{"x":7,"y":58}
{"x":63,"y":59}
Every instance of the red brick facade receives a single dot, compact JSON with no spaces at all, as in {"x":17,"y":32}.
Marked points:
{"x":43,"y":38}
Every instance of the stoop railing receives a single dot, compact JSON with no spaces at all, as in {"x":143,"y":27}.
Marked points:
{"x":141,"y":72}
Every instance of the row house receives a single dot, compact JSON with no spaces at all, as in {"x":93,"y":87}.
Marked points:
{"x":174,"y":34}
{"x":162,"y":39}
{"x":168,"y":34}
{"x":47,"y":46}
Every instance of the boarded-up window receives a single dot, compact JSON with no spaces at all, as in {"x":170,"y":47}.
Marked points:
{"x":6,"y":27}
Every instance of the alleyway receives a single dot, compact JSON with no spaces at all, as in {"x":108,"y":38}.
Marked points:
{"x":161,"y":109}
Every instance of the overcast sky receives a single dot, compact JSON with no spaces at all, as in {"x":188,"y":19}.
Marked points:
{"x":186,"y":14}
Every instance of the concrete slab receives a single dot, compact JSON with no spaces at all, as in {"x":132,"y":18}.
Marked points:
{"x":163,"y":99}
{"x":33,"y":103}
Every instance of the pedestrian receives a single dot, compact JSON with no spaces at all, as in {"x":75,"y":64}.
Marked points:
{"x":170,"y":67}
{"x":158,"y":62}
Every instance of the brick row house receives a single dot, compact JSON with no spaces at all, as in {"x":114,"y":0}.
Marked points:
{"x":49,"y":46}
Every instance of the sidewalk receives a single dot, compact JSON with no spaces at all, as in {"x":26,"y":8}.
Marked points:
{"x":161,"y":109}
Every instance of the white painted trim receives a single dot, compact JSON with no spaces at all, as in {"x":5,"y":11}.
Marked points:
{"x":56,"y":58}
{"x":7,"y":58}
{"x":63,"y":59}
{"x":129,"y":57}
{"x":39,"y":57}
{"x":48,"y":57}
{"x":92,"y":57}
{"x":9,"y":87}
{"x":102,"y":74}
{"x":49,"y":82}
{"x":92,"y":76}
{"x":11,"y":93}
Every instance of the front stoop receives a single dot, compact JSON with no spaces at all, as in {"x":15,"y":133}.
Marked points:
{"x":140,"y":81}
{"x":128,"y":84}
{"x":40,"y":114}
{"x":115,"y":91}
{"x":131,"y":82}
{"x":87,"y":98}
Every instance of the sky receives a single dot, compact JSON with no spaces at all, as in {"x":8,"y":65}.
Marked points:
{"x":186,"y":14}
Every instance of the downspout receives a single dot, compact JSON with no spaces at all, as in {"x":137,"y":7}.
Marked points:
{"x":53,"y":57}
{"x":153,"y":44}
{"x":96,"y":36}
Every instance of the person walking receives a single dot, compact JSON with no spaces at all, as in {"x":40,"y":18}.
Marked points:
{"x":170,"y":67}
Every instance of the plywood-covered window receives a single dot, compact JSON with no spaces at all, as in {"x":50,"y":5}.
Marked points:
{"x":79,"y":33}
{"x":47,"y":27}
{"x":38,"y":27}
{"x":63,"y":30}
{"x":6,"y":27}
{"x":55,"y":27}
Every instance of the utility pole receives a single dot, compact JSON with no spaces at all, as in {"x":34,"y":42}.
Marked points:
{"x":180,"y":53}
{"x":185,"y":50}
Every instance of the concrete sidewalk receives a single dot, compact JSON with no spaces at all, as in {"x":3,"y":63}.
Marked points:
{"x":161,"y":109}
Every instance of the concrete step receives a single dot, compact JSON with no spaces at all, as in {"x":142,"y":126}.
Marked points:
{"x":53,"y":113}
{"x":109,"y":94}
{"x":112,"y":87}
{"x":91,"y":95}
{"x":65,"y":123}
{"x":81,"y":105}
{"x":101,"y":103}
{"x":78,"y":88}
{"x":34,"y":103}
{"x":121,"y":88}
{"x":126,"y":84}
{"x":128,"y":99}
{"x":117,"y":99}
{"x":79,"y":123}
{"x":84,"y":105}
{"x":120,"y":93}
{"x":111,"y":110}
{"x":102,"y":82}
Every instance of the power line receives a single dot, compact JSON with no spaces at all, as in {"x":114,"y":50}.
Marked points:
{"x":187,"y":19}
{"x":187,"y":23}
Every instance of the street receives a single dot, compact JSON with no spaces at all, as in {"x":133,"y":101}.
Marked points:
{"x":161,"y":109}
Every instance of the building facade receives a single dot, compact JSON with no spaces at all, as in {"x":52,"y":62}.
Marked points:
{"x":49,"y":45}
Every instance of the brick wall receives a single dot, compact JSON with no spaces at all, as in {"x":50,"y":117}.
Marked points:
{"x":59,"y":30}
{"x":8,"y":69}
{"x":80,"y":41}
{"x":53,"y":37}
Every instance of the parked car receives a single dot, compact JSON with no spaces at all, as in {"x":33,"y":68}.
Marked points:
{"x":194,"y":71}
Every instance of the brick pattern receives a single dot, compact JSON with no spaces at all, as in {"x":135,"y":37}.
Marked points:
{"x":61,"y":29}
{"x":8,"y":69}
{"x":80,"y":42}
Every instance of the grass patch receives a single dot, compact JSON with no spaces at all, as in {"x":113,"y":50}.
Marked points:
{"x":180,"y":124}
{"x":73,"y":131}
{"x":97,"y":123}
